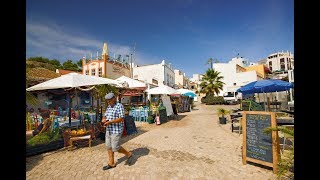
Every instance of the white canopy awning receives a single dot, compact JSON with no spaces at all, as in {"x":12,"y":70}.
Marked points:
{"x":183,"y":91}
{"x":132,"y":83}
{"x":161,"y":90}
{"x":73,"y":80}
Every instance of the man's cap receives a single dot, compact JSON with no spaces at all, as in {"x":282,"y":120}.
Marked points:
{"x":109,"y":96}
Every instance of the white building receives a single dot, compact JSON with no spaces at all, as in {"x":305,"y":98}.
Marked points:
{"x":196,"y":77}
{"x":155,"y":74}
{"x":181,"y":81}
{"x":105,"y":65}
{"x":235,"y":75}
{"x":280,"y":63}
{"x":195,"y":81}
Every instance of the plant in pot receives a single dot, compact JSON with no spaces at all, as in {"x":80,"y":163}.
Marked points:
{"x":222,"y":113}
{"x":127,"y":110}
{"x":150,"y":119}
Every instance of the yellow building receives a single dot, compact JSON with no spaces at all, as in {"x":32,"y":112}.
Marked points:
{"x":261,"y":69}
{"x":106,"y":66}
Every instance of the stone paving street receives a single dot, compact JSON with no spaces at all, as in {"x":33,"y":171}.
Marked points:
{"x":194,"y":146}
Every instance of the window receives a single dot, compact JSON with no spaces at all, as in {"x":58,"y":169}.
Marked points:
{"x":93,"y":72}
{"x":87,"y":72}
{"x":270,"y":65}
{"x":100,"y":72}
{"x":234,"y":84}
{"x":288,"y":64}
{"x":154,"y":81}
{"x":228,"y":94}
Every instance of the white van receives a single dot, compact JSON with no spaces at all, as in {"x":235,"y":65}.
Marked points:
{"x":231,"y":97}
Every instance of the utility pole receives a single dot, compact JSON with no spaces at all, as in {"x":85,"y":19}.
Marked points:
{"x":131,"y":67}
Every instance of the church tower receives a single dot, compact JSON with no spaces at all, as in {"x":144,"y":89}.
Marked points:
{"x":105,"y":57}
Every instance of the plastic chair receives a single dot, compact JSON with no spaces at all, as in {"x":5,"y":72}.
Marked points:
{"x":143,"y":115}
{"x":133,"y":113}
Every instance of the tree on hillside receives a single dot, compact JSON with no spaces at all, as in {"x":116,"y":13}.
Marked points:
{"x":79,"y":63}
{"x":38,"y":59}
{"x":69,"y":65}
{"x":56,"y":63}
{"x":211,"y":83}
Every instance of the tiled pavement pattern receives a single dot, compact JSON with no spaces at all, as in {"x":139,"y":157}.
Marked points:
{"x":194,"y":146}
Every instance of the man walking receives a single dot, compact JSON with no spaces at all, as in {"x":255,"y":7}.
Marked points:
{"x":114,"y":121}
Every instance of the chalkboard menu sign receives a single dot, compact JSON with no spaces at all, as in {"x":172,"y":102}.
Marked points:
{"x":130,"y":125}
{"x":259,"y":147}
{"x":163,"y":115}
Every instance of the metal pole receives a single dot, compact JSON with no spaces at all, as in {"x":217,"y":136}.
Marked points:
{"x":70,"y":104}
{"x":131,"y":67}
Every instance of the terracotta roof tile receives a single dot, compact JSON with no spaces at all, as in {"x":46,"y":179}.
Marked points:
{"x":63,"y":71}
{"x":41,"y":73}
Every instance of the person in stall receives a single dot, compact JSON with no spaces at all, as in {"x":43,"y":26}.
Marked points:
{"x":44,"y":126}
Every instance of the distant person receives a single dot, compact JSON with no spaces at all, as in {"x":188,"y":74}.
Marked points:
{"x":113,"y":119}
{"x":44,"y":126}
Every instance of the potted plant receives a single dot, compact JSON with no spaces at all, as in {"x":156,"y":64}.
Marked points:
{"x":222,"y":113}
{"x":127,"y":110}
{"x":150,"y":119}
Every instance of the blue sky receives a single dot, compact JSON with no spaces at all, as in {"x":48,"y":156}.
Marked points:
{"x":186,"y":33}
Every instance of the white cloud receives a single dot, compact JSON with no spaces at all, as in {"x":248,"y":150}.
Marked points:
{"x":54,"y":42}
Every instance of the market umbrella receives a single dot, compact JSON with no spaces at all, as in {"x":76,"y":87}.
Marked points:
{"x":132,"y":83}
{"x":186,"y":92}
{"x":264,"y":86}
{"x":161,"y":90}
{"x":190,"y":94}
{"x":72,"y":80}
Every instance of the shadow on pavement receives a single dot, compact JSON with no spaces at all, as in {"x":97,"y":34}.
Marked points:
{"x":33,"y":161}
{"x":137,"y":153}
{"x":177,"y":118}
{"x":124,"y":139}
{"x":131,"y":136}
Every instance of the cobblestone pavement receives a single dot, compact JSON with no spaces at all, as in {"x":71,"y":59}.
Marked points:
{"x":193,"y":146}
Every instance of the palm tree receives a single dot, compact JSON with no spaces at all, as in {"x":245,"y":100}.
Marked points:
{"x":211,"y":61}
{"x":211,"y":83}
{"x":286,"y":163}
{"x":100,"y":91}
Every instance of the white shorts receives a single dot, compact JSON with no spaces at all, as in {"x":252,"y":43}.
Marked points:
{"x":113,"y":141}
